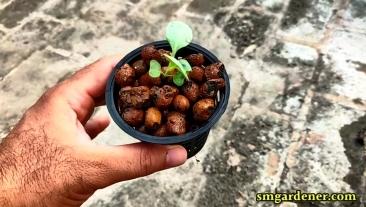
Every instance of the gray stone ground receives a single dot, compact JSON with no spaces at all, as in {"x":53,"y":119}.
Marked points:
{"x":298,"y":122}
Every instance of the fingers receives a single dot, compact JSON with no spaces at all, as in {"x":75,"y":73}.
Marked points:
{"x":92,"y":79}
{"x":85,"y":89}
{"x":137,"y":160}
{"x":96,"y":125}
{"x":141,"y":159}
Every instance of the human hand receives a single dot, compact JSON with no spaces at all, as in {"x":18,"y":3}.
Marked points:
{"x":48,"y":159}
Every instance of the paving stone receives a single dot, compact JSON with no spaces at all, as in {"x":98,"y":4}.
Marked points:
{"x":294,"y":64}
{"x":208,"y":6}
{"x":290,"y":102}
{"x":166,"y":9}
{"x":204,"y":31}
{"x":292,"y":54}
{"x":102,"y":18}
{"x":133,"y":29}
{"x":3,"y":2}
{"x":107,"y":45}
{"x":17,"y":10}
{"x":136,"y":194}
{"x":126,"y":21}
{"x":319,"y":160}
{"x":344,"y":69}
{"x":28,"y":82}
{"x":318,"y":106}
{"x":307,"y":18}
{"x":271,"y":5}
{"x":255,"y":139}
{"x":355,"y":17}
{"x":93,"y":27}
{"x":2,"y":34}
{"x":357,"y":7}
{"x":32,"y":36}
{"x":247,"y":27}
{"x":65,"y":9}
{"x":354,"y":136}
{"x":136,"y":26}
{"x":96,"y":19}
{"x":277,"y":87}
{"x":263,"y":87}
{"x":152,"y":28}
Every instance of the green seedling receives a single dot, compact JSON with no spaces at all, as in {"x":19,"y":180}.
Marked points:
{"x":179,"y":35}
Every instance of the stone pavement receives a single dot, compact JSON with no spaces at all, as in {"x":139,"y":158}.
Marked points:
{"x":296,"y":118}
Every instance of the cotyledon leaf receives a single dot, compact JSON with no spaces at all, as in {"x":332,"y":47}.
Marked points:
{"x":178,"y":79}
{"x":155,"y":69}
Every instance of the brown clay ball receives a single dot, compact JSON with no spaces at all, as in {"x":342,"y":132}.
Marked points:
{"x":195,"y":59}
{"x":210,"y":88}
{"x":203,"y":109}
{"x":181,"y":103}
{"x":191,"y":90}
{"x":163,"y":60}
{"x":213,"y":71}
{"x":136,"y":97}
{"x":162,"y":131}
{"x":146,"y":80}
{"x":153,"y":118}
{"x":163,"y":96}
{"x":176,"y":123}
{"x":150,"y":52}
{"x":140,"y":67}
{"x":197,"y":74}
{"x":134,"y":117}
{"x":125,"y":76}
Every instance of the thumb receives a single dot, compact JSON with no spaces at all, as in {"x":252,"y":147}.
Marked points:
{"x":136,"y":160}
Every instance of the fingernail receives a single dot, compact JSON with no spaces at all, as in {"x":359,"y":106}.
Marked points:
{"x":176,"y":156}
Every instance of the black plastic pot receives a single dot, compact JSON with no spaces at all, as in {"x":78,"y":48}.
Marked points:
{"x":193,"y":141}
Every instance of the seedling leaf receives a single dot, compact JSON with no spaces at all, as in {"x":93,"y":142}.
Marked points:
{"x":155,"y":69}
{"x":179,"y":66}
{"x":186,"y":66}
{"x":179,"y":35}
{"x":178,"y":79}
